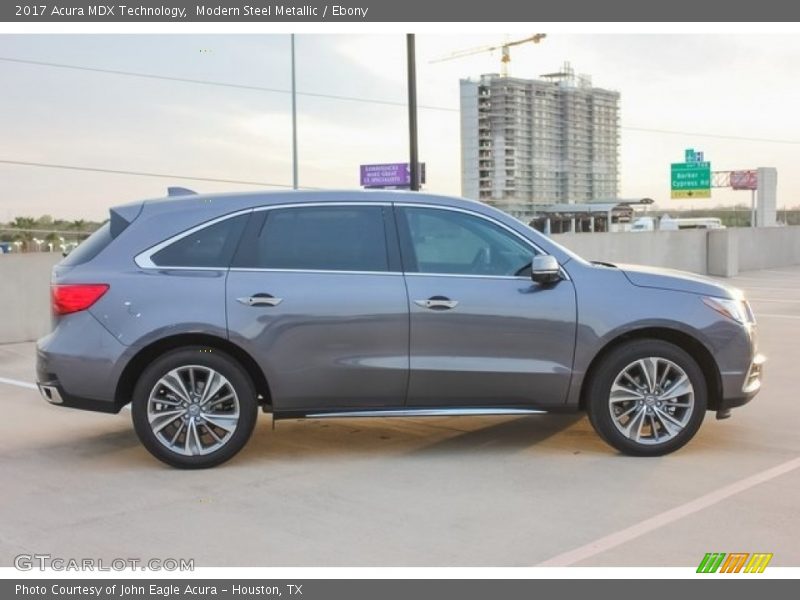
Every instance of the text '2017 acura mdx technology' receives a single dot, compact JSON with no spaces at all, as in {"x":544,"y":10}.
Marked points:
{"x":199,"y":309}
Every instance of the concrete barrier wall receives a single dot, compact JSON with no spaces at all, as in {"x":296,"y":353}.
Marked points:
{"x":25,"y":285}
{"x":685,"y":250}
{"x":767,"y":247}
{"x":25,"y":278}
{"x":721,"y":252}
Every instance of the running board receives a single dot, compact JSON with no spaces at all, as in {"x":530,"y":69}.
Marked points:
{"x":425,"y":412}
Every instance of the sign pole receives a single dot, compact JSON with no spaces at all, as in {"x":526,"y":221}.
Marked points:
{"x":412,"y":112}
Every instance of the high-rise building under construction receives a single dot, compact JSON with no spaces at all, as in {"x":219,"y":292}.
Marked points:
{"x":528,"y":142}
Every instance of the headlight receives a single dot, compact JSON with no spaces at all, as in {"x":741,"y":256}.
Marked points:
{"x":738,"y":310}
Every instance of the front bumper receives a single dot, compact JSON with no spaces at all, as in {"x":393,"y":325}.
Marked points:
{"x":749,"y":389}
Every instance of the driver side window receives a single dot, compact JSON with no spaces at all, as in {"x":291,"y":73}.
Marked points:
{"x":456,"y":243}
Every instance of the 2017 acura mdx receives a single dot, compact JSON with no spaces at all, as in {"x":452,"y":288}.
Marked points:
{"x":199,"y":309}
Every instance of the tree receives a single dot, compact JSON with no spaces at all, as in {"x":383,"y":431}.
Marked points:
{"x":25,"y":225}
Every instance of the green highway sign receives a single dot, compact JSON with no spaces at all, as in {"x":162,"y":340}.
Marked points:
{"x":691,"y":179}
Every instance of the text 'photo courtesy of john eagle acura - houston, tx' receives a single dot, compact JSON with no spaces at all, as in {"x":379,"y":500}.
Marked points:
{"x":197,"y":310}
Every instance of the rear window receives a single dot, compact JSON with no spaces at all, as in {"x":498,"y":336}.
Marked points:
{"x":90,"y":247}
{"x":212,"y":246}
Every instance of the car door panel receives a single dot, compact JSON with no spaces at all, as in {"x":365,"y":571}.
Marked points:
{"x":335,"y":340}
{"x":327,"y":338}
{"x":489,"y":339}
{"x":507,"y":341}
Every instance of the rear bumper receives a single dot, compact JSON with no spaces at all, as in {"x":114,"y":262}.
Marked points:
{"x":54,"y":394}
{"x":76,"y":365}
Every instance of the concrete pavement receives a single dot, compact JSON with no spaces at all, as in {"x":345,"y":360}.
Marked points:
{"x":493,"y":491}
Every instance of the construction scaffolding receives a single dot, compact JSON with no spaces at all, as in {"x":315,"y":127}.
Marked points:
{"x":528,"y":142}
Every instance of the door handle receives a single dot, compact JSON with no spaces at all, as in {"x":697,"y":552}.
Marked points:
{"x":260,"y":300}
{"x":437,"y":303}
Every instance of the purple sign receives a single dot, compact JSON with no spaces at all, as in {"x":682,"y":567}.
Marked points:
{"x":389,"y":175}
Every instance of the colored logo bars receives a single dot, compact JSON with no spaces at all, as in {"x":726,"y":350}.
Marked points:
{"x":734,"y":562}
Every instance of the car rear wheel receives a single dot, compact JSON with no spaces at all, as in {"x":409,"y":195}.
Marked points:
{"x":194,"y":408}
{"x":647,"y":398}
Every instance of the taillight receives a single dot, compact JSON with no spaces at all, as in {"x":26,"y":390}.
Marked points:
{"x":74,"y":297}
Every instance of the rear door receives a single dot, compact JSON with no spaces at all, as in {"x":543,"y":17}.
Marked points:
{"x":316,"y":294}
{"x":482,"y":333}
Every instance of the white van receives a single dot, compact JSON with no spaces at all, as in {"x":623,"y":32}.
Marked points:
{"x":669,"y":224}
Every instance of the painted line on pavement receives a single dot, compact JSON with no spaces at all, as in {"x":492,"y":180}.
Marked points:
{"x":684,"y":510}
{"x":18,"y":383}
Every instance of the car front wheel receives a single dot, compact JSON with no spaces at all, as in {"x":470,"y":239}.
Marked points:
{"x":194,"y":408}
{"x":647,"y":398}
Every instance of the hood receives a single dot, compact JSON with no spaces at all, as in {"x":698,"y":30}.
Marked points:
{"x":681,"y":281}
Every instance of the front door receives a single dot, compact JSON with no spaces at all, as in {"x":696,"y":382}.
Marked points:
{"x":315,"y":293}
{"x":482,"y":333}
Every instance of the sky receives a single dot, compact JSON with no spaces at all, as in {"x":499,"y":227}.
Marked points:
{"x":692,"y":88}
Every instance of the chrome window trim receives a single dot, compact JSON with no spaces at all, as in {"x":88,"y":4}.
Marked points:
{"x":328,"y":203}
{"x":144,"y":259}
{"x":316,"y":271}
{"x":470,"y":276}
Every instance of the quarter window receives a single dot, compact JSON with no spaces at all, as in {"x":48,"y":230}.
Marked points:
{"x":211,"y":246}
{"x":450,"y":242}
{"x":320,"y":238}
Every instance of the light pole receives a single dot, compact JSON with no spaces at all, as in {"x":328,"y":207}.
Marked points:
{"x":294,"y":123}
{"x":413,"y":165}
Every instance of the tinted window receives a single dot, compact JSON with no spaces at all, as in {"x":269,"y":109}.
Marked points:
{"x":90,"y":247}
{"x":212,"y":246}
{"x":329,"y":238}
{"x":444,"y":241}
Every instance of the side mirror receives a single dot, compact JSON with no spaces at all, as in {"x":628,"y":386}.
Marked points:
{"x":545,"y":269}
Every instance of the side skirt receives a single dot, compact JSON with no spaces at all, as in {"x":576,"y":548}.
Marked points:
{"x":408,"y":412}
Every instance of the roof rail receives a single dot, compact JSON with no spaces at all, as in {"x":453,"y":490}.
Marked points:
{"x":180,"y":191}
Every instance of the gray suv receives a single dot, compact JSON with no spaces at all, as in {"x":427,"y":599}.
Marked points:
{"x":199,"y":309}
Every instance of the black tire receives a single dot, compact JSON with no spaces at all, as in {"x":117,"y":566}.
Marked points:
{"x":224,"y":365}
{"x":600,"y":412}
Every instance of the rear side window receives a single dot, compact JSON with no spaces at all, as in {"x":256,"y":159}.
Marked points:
{"x":326,"y":238}
{"x":211,"y":246}
{"x":90,"y":247}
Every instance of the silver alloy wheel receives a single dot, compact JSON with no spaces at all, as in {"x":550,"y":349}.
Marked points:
{"x":193,"y":410}
{"x":651,"y":400}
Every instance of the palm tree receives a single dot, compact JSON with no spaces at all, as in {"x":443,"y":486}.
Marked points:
{"x":25,"y":225}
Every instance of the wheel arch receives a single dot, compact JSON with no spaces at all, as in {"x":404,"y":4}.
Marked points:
{"x":694,"y":347}
{"x":139,"y":362}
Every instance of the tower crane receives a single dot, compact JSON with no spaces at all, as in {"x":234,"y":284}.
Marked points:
{"x":505,"y":49}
